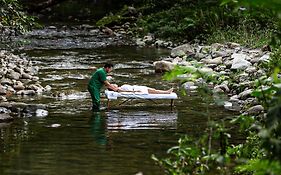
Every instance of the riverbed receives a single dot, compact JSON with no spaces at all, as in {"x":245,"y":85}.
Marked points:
{"x":72,"y":139}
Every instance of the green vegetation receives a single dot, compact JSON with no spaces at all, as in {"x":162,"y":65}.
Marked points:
{"x":13,"y":17}
{"x":203,"y":21}
{"x":213,"y":153}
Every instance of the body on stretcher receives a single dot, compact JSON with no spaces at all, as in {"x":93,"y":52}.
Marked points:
{"x":112,"y":95}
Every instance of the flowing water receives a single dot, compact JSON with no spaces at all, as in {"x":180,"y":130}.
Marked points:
{"x":74,"y":140}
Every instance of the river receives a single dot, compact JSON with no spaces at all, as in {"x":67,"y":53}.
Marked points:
{"x":74,"y":140}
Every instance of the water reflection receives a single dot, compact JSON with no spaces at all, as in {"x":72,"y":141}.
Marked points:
{"x":117,"y":120}
{"x":98,"y":128}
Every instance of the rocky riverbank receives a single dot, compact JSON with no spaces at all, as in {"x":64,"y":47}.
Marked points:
{"x":237,"y":67}
{"x":18,"y":76}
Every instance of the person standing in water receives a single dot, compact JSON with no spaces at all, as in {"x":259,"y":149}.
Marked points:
{"x":97,"y":81}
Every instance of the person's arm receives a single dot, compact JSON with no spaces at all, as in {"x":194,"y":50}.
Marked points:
{"x":110,"y":86}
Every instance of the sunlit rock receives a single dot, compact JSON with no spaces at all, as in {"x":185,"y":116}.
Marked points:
{"x":163,"y":66}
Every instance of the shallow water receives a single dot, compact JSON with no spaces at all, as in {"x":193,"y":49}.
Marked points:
{"x":73,"y":140}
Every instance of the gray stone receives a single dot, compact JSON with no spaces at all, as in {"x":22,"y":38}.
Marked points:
{"x":240,"y":62}
{"x":163,"y":66}
{"x":2,"y":98}
{"x":148,"y":39}
{"x":265,"y":58}
{"x":216,"y":46}
{"x":251,"y":69}
{"x":233,"y":45}
{"x":3,"y":91}
{"x":13,"y":75}
{"x":189,"y":85}
{"x":5,"y":117}
{"x":140,"y":42}
{"x":222,"y":88}
{"x":232,"y":106}
{"x":19,"y":86}
{"x":48,"y":88}
{"x":6,"y":81}
{"x":182,"y":50}
{"x":26,"y":92}
{"x":215,"y":61}
{"x":4,"y":110}
{"x":245,"y":94}
{"x":159,"y":43}
{"x":26,"y":76}
{"x":255,"y":110}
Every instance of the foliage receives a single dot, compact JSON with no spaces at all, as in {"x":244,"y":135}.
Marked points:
{"x":113,"y":19}
{"x":260,"y":167}
{"x":202,"y":19}
{"x":12,"y":16}
{"x":248,"y":38}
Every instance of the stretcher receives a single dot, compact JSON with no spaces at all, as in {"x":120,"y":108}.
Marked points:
{"x":129,"y":96}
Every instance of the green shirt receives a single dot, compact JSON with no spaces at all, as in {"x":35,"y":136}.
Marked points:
{"x":98,"y":79}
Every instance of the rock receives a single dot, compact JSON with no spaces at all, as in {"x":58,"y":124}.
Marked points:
{"x":222,"y":88}
{"x":48,"y":88}
{"x":108,"y":31}
{"x":182,"y":50}
{"x":6,"y":81}
{"x":140,"y":42}
{"x":245,"y":94}
{"x":215,"y":61}
{"x":233,"y":45}
{"x":19,"y":86}
{"x":205,"y":70}
{"x":4,"y":110}
{"x":26,"y":76}
{"x":132,"y":10}
{"x":216,"y":46}
{"x":243,"y":77}
{"x":148,"y":39}
{"x":13,"y":75}
{"x":3,"y":91}
{"x":228,"y":63}
{"x":189,"y":85}
{"x":255,"y":110}
{"x":251,"y":70}
{"x":35,"y":78}
{"x":163,"y":66}
{"x":240,"y":62}
{"x":41,"y":113}
{"x":5,"y":117}
{"x":264,"y":58}
{"x":26,"y":92}
{"x":232,"y":105}
{"x":2,"y":98}
{"x":159,"y":43}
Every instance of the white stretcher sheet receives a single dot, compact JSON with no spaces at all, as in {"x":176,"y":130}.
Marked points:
{"x":111,"y":95}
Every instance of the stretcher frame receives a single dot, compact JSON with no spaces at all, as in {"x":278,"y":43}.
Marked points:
{"x":131,"y":96}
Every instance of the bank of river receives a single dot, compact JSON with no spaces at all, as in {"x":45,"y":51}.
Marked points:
{"x":73,"y":140}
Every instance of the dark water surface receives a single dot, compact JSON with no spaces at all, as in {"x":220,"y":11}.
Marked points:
{"x":73,"y":140}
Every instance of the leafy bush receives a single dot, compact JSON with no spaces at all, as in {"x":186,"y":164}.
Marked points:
{"x":12,"y":16}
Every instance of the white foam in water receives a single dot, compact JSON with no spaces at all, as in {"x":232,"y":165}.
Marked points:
{"x":55,"y":125}
{"x":75,"y":96}
{"x":41,"y":113}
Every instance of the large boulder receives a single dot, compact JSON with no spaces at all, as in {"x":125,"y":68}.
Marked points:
{"x":163,"y":66}
{"x":240,"y":62}
{"x":182,"y":50}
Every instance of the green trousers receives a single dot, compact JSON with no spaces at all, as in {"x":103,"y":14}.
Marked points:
{"x":95,"y":94}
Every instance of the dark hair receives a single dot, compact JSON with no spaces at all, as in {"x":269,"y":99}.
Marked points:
{"x":108,"y":65}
